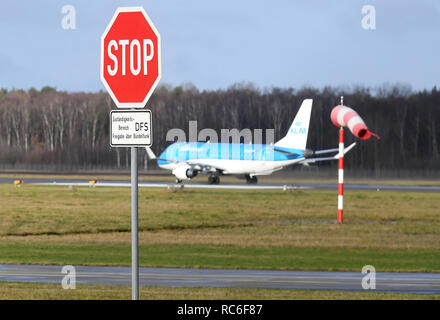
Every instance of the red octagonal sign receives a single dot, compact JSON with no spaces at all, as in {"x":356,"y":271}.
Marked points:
{"x":130,"y":57}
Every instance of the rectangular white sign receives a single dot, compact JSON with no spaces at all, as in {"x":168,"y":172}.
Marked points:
{"x":131,"y":128}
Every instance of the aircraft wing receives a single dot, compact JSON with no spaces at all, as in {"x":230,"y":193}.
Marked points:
{"x":335,"y":157}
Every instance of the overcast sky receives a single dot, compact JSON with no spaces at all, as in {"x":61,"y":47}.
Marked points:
{"x":214,"y":44}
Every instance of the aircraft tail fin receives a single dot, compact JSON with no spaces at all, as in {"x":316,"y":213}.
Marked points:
{"x":296,"y":137}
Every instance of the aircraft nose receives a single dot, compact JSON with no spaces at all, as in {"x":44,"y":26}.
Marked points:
{"x":162,"y":160}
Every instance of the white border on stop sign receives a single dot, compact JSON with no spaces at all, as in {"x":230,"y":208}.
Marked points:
{"x":131,"y":105}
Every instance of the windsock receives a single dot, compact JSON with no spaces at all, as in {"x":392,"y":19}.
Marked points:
{"x":343,"y":116}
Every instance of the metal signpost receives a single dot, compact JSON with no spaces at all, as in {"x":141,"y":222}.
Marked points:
{"x":130,"y":71}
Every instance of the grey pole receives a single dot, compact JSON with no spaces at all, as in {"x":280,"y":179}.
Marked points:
{"x":134,"y":225}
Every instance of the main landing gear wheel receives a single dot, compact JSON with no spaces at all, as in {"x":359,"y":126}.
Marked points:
{"x":178,"y":181}
{"x":213,"y":179}
{"x":251,"y":180}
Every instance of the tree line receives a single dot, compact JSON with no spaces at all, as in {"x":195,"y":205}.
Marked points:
{"x":71,"y":129}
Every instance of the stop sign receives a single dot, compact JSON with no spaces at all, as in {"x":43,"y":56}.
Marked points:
{"x":130,"y":57}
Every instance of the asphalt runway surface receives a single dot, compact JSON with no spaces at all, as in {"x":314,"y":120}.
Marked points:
{"x":237,"y":185}
{"x":422,"y":283}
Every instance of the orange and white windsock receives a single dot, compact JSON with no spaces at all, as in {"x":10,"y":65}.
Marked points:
{"x":343,"y":116}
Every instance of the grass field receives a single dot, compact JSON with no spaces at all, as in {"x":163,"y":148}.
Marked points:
{"x":31,"y":291}
{"x":394,"y":231}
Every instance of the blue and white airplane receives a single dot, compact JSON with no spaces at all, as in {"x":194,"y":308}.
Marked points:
{"x":187,"y":159}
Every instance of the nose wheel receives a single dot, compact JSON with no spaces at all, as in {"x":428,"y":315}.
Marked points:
{"x":213,"y":179}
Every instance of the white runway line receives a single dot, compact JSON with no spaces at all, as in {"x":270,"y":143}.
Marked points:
{"x":270,"y":186}
{"x":170,"y":185}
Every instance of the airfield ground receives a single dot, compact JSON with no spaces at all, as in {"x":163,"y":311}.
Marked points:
{"x":287,"y":177}
{"x":44,"y":291}
{"x":260,"y":229}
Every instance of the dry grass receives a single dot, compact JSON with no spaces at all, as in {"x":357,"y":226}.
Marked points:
{"x":32,"y":291}
{"x":380,"y":236}
{"x":227,"y":217}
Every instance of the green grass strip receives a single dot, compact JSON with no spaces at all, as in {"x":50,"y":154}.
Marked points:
{"x":212,"y":256}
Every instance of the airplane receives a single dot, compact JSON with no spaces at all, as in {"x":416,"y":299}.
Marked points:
{"x":187,"y":159}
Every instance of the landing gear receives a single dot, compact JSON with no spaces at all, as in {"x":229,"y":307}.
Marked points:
{"x":251,"y":180}
{"x":213,"y":179}
{"x":178,"y":181}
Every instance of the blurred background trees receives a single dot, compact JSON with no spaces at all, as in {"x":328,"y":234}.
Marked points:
{"x":53,"y":130}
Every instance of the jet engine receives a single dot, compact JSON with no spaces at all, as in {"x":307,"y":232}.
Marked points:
{"x":185,"y":172}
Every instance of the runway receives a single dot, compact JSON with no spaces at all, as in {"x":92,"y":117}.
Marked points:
{"x":238,"y":185}
{"x":422,"y":283}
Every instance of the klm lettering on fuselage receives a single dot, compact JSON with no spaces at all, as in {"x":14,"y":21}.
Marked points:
{"x":295,"y":130}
